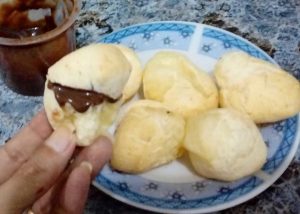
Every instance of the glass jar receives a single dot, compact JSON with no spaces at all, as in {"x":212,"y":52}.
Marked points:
{"x":26,"y":53}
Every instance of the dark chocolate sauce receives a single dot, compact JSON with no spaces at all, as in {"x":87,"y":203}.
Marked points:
{"x":14,"y":21}
{"x":80,"y":99}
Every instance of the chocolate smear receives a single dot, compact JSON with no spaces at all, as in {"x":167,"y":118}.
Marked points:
{"x":80,"y":99}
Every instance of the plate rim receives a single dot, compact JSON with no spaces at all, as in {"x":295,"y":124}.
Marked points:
{"x":192,"y":24}
{"x":253,"y":193}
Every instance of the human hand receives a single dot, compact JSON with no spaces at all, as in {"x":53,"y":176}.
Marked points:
{"x":36,"y":172}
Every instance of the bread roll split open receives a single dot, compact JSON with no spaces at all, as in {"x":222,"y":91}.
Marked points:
{"x":95,"y":79}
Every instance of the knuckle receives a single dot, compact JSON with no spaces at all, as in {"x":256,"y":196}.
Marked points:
{"x":33,"y":168}
{"x":15,"y":155}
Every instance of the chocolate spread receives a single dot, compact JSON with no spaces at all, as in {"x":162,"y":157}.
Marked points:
{"x":15,"y":23}
{"x":26,"y":52}
{"x":80,"y":99}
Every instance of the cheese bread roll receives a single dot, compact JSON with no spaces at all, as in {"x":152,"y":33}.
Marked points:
{"x":256,"y":87}
{"x":135,"y":79}
{"x":170,"y":78}
{"x":83,"y":90}
{"x":224,"y":144}
{"x":148,"y":136}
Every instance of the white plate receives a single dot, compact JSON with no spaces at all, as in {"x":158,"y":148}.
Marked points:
{"x":174,"y":188}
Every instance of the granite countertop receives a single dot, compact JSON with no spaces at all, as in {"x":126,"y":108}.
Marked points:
{"x":274,"y":26}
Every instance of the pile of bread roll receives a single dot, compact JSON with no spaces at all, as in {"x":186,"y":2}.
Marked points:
{"x":213,"y":118}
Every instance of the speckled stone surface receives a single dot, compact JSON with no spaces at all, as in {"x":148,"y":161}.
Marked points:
{"x":272,"y":25}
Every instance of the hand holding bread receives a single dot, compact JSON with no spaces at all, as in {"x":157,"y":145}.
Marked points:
{"x":85,"y":89}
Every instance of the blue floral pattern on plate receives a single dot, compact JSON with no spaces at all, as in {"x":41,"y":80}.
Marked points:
{"x":153,"y":36}
{"x":217,"y":42}
{"x":202,"y":195}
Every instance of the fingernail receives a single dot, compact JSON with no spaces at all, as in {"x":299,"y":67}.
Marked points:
{"x":87,"y":165}
{"x":60,"y":140}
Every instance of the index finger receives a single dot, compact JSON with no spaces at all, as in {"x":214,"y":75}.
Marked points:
{"x":17,"y":150}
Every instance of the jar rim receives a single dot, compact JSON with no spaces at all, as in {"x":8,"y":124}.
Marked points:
{"x":48,"y":35}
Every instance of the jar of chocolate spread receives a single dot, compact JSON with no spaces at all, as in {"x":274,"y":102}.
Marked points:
{"x":33,"y":36}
